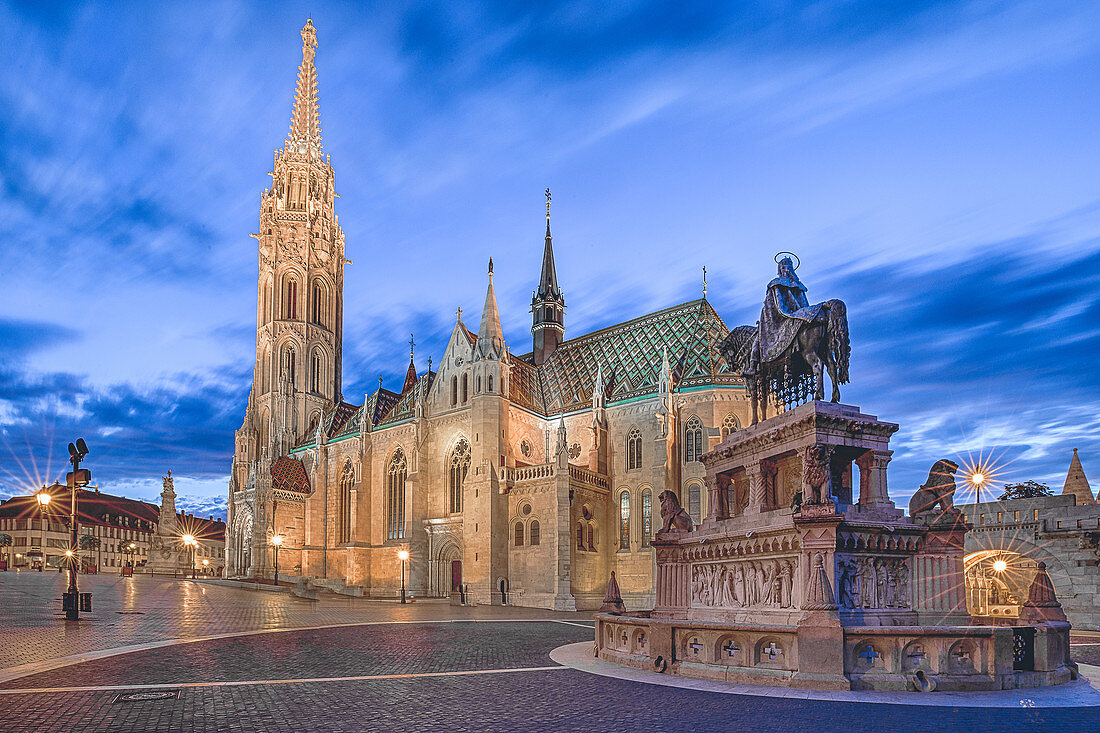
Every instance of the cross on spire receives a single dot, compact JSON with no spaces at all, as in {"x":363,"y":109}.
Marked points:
{"x":548,"y":205}
{"x":704,"y":282}
{"x":412,"y":345}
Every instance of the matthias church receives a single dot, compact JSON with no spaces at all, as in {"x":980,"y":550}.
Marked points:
{"x":522,"y":478}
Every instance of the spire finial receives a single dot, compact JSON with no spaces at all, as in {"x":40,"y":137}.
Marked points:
{"x":704,"y":282}
{"x":490,"y":267}
{"x":412,"y":346}
{"x":548,"y":204}
{"x":458,"y":314}
{"x":305,"y":125}
{"x":379,"y":382}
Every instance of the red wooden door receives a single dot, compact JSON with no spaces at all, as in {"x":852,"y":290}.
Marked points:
{"x":456,"y":575}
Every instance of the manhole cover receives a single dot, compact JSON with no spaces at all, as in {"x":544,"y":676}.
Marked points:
{"x":130,"y":612}
{"x":144,"y":696}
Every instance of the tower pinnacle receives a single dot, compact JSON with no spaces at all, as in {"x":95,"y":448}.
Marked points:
{"x":305,"y":122}
{"x":547,"y":303}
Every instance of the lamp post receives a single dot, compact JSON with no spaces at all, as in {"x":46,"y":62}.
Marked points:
{"x":403,"y":555}
{"x":43,"y":501}
{"x":276,"y":542}
{"x":77,"y":478}
{"x":190,"y":541}
{"x":205,"y":567}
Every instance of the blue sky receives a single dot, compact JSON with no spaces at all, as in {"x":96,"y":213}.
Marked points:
{"x":933,"y":164}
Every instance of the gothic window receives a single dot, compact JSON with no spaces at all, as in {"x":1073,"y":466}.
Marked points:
{"x":477,"y":384}
{"x":634,"y":449}
{"x":693,"y":439}
{"x":695,"y":503}
{"x":534,"y":533}
{"x":454,"y":391}
{"x":395,"y":496}
{"x":265,"y":304}
{"x":465,"y":387}
{"x":730,"y":424}
{"x":318,"y":303}
{"x":290,"y":310}
{"x":346,"y":482}
{"x":296,"y":193}
{"x":460,"y":464}
{"x":580,"y":535}
{"x":316,"y":372}
{"x":592,"y":537}
{"x":647,"y":516}
{"x":289,"y":363}
{"x":490,"y":382}
{"x":624,"y":520}
{"x":519,"y":534}
{"x":263,"y":373}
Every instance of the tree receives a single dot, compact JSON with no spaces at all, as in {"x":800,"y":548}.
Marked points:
{"x":90,"y":542}
{"x":6,"y":540}
{"x":1026,"y":490}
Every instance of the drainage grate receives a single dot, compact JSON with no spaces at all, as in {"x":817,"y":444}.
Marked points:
{"x":146,"y":696}
{"x":130,"y":612}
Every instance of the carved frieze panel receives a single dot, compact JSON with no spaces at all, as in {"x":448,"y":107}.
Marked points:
{"x":873,"y":582}
{"x":745,"y":584}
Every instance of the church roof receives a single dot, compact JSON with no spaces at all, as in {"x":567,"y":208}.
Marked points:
{"x":335,"y":420}
{"x":288,"y":474}
{"x":406,"y":405}
{"x":1076,"y":483}
{"x":630,"y":355}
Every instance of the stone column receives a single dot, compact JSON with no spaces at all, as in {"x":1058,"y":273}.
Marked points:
{"x":939,"y":584}
{"x":872,"y":477}
{"x":755,"y":472}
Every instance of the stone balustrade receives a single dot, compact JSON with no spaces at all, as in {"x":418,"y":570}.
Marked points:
{"x":578,"y":475}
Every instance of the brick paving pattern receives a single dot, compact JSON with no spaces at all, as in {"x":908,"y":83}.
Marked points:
{"x":31,"y":629}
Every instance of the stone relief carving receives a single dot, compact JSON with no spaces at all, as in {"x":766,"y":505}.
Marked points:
{"x":755,"y":583}
{"x":874,"y":582}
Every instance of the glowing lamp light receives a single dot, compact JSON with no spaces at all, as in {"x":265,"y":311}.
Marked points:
{"x":43,"y":498}
{"x":402,"y":555}
{"x":276,"y":539}
{"x":68,"y":553}
{"x":189,"y":539}
{"x":205,"y":562}
{"x":977,"y":479}
{"x":1000,"y":566}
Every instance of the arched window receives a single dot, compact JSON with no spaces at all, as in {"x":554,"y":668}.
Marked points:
{"x":265,"y":427}
{"x":477,"y":384}
{"x":534,"y":533}
{"x":580,"y":535}
{"x":460,"y":464}
{"x":695,"y":502}
{"x":465,"y":387}
{"x":454,"y":391}
{"x":318,"y":303}
{"x":693,"y":439}
{"x":519,"y":534}
{"x":490,"y":382}
{"x":265,"y":303}
{"x":730,"y":424}
{"x":290,"y":304}
{"x":624,"y":520}
{"x":346,"y":482}
{"x":316,"y":371}
{"x":647,"y":516}
{"x":395,"y":496}
{"x":290,"y":363}
{"x":264,"y":373}
{"x":634,"y":449}
{"x":592,"y":538}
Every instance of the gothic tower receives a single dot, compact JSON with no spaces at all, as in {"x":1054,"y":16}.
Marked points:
{"x":299,"y":323}
{"x":547,"y":303}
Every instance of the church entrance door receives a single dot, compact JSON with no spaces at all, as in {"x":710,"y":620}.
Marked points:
{"x":456,"y":576}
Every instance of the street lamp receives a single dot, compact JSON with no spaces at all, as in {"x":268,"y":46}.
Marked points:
{"x":190,"y":541}
{"x":402,"y":555}
{"x":205,"y":567}
{"x":276,"y":542}
{"x":43,"y":502}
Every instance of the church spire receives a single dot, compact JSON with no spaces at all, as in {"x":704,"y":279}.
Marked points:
{"x":305,"y":122}
{"x":1076,"y":483}
{"x":547,"y":303}
{"x":490,"y":336}
{"x":410,"y":375}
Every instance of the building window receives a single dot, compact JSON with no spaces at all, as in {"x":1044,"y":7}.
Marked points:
{"x":395,"y":495}
{"x":454,"y":391}
{"x":519,"y":534}
{"x":318,"y":303}
{"x":465,"y":387}
{"x":634,"y":449}
{"x":534,"y":533}
{"x":624,"y":520}
{"x":695,"y":503}
{"x":346,"y":482}
{"x":290,"y":365}
{"x":490,"y":382}
{"x":316,"y":372}
{"x":460,"y":464}
{"x":580,"y":535}
{"x":593,"y":537}
{"x":730,"y":424}
{"x":290,"y":310}
{"x":693,"y":439}
{"x":647,"y":516}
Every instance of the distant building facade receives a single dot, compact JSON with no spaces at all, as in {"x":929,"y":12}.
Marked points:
{"x":125,"y":528}
{"x":1011,"y":538}
{"x":520,"y":479}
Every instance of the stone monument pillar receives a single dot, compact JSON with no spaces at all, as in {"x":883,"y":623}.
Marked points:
{"x":165,"y":549}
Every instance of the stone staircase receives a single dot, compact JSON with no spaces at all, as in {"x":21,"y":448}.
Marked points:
{"x":311,"y":588}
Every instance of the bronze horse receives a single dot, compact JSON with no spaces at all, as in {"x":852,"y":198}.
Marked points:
{"x":820,"y":345}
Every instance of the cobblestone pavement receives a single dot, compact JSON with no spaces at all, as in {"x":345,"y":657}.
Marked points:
{"x":436,"y":671}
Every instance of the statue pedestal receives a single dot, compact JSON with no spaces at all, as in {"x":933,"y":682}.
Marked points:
{"x":938,"y":569}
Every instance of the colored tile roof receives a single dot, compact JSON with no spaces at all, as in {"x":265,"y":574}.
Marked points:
{"x":288,"y":474}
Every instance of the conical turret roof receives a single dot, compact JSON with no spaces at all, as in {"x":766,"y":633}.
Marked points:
{"x":490,"y":336}
{"x":1076,"y":483}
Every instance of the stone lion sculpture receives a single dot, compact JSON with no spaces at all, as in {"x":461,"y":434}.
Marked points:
{"x":672,"y":514}
{"x":938,"y":489}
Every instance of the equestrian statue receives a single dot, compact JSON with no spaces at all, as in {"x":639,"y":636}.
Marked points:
{"x":792,"y":346}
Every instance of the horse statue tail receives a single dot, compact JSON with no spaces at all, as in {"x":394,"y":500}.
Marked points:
{"x":839,"y":345}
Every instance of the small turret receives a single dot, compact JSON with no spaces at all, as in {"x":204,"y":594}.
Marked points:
{"x":490,"y":336}
{"x":547,"y":303}
{"x":1076,"y":483}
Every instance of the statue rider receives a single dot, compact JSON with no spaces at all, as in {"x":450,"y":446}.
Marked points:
{"x":785,"y":311}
